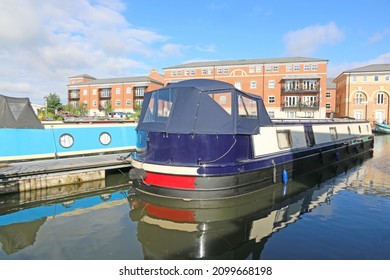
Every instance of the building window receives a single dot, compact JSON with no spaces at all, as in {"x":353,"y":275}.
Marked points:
{"x":358,"y":98}
{"x":128,"y":102}
{"x":253,"y":84}
{"x":226,"y":70}
{"x":288,"y":68}
{"x":94,"y":91}
{"x":306,"y":67}
{"x":139,"y":91}
{"x":275,"y":68}
{"x":258,"y":69}
{"x":364,"y":78}
{"x":271,"y":84}
{"x":353,"y":78}
{"x":271,"y":99}
{"x":193,"y":72}
{"x":271,"y":114}
{"x":187,"y":73}
{"x":358,"y":114}
{"x":376,"y":78}
{"x":117,"y":102}
{"x":380,"y":98}
{"x":179,"y":72}
{"x":328,"y":95}
{"x":204,"y":71}
{"x":297,"y":68}
{"x":85,"y":92}
{"x":118,"y":91}
{"x":314,"y":67}
{"x":237,"y":85}
{"x":387,"y":78}
{"x":252,"y":69}
{"x":106,"y":92}
{"x":94,"y":103}
{"x":128,"y":90}
{"x":210,"y":71}
{"x":327,"y":105}
{"x":173,"y":73}
{"x":268,"y":68}
{"x":219,"y":71}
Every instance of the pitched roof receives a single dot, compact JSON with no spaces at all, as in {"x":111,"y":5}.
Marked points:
{"x":247,"y":62}
{"x":330,"y":84}
{"x":371,"y":68}
{"x":134,"y":79}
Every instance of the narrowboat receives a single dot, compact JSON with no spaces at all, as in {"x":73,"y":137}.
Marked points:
{"x":206,"y":139}
{"x":382,"y":128}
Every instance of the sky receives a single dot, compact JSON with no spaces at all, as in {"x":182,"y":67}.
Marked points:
{"x":44,"y":42}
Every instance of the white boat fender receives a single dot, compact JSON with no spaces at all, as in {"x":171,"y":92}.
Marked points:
{"x":274,"y":172}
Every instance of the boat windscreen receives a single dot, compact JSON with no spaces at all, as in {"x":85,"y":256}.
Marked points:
{"x":160,"y":105}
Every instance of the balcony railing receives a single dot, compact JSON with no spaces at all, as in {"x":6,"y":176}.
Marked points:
{"x":314,"y":105}
{"x":74,"y":96}
{"x":301,"y":89}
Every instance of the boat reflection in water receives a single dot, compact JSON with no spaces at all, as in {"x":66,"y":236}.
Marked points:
{"x":23,"y":214}
{"x":234,"y":228}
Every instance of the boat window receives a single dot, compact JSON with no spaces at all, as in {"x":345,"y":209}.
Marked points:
{"x":247,"y":107}
{"x":159,"y":106}
{"x":284,"y":139}
{"x":360,"y":129}
{"x":349,"y":130}
{"x":224,"y":100}
{"x":333,"y":133}
{"x":368,"y":129}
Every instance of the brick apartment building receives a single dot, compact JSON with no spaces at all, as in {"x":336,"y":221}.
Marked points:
{"x":122,"y":93}
{"x":290,"y":87}
{"x":363,"y":93}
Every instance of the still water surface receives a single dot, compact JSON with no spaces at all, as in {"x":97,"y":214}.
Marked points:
{"x":340,"y":213}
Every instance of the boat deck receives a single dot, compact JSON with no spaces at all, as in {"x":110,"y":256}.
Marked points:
{"x":25,"y":175}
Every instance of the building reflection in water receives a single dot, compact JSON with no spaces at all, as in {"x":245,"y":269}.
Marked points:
{"x":22,"y":214}
{"x":234,"y":228}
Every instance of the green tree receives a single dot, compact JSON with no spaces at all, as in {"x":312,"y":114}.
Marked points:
{"x":53,"y":103}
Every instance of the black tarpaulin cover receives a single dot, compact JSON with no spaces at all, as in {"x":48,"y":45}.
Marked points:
{"x":17,"y":113}
{"x":202,"y":106}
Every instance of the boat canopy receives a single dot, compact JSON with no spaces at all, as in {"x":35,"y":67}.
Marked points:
{"x":202,"y":106}
{"x":17,"y":113}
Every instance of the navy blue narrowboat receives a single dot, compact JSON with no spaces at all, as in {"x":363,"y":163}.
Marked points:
{"x":205,"y":139}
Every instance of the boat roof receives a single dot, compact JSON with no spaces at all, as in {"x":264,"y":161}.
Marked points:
{"x":17,"y":113}
{"x":202,"y":106}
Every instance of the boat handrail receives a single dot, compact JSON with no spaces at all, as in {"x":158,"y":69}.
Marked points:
{"x":326,"y":120}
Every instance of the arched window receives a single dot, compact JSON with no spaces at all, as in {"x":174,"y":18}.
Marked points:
{"x":359,"y":97}
{"x":380,"y":98}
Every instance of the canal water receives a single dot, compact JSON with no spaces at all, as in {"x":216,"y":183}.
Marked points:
{"x":340,"y":213}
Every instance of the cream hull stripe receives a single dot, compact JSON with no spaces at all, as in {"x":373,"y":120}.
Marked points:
{"x":165,"y":169}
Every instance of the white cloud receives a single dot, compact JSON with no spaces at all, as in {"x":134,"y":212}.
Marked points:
{"x":306,"y":41}
{"x":378,"y":37}
{"x":42,"y":43}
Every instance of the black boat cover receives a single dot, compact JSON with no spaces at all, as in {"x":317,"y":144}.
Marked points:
{"x":17,"y":113}
{"x":202,"y":106}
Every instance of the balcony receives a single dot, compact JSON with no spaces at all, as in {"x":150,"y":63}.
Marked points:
{"x":301,"y":89}
{"x":74,"y":95}
{"x":300,"y":106}
{"x":104,"y":93}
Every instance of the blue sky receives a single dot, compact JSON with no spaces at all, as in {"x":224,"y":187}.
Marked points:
{"x":44,"y":42}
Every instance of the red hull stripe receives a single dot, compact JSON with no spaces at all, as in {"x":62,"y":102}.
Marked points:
{"x":170,"y":181}
{"x":175,"y":215}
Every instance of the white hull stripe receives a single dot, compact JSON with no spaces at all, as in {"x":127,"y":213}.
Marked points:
{"x":165,"y":169}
